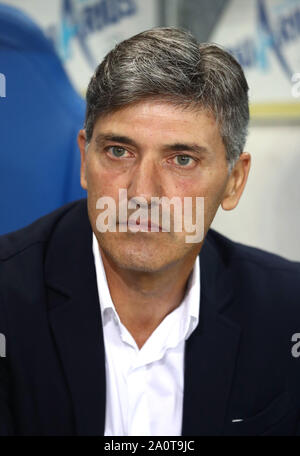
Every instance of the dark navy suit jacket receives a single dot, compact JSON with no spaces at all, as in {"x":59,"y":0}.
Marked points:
{"x":238,"y":362}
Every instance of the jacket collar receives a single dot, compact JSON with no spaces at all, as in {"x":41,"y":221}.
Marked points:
{"x":75,"y":319}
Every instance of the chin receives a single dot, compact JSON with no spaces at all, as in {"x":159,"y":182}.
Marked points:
{"x":137,"y":260}
{"x":136,"y":256}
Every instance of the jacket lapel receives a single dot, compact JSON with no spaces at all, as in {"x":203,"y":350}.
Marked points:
{"x":75,"y":318}
{"x":210,"y":353}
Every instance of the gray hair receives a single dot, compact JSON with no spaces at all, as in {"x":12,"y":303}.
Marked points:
{"x":169,"y":63}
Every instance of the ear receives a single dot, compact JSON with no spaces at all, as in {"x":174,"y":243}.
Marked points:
{"x":81,"y":140}
{"x":236,"y":182}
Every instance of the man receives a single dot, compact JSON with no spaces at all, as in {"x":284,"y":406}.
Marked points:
{"x":119,"y":331}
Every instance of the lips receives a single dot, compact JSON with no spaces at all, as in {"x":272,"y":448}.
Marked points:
{"x":137,"y":227}
{"x":144,"y":226}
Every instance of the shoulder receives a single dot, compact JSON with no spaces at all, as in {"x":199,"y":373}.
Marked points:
{"x":261,"y":281}
{"x":37,"y":233}
{"x":264,"y":291}
{"x":237,"y":255}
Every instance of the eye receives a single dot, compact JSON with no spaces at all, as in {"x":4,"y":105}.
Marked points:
{"x":183,"y":160}
{"x":117,"y":151}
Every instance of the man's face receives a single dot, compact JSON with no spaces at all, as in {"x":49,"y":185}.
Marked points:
{"x":153,"y":149}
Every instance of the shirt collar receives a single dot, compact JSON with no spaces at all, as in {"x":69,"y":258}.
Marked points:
{"x":190,"y":305}
{"x":103,"y":290}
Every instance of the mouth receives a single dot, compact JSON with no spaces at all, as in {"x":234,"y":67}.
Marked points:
{"x":149,"y":227}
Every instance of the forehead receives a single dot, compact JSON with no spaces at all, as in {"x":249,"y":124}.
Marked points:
{"x":161,"y":121}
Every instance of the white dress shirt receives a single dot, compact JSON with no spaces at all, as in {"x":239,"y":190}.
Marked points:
{"x":144,"y":387}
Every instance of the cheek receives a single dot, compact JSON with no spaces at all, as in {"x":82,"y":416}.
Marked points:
{"x":102,"y":177}
{"x":99,"y":180}
{"x":213,"y":198}
{"x":182,"y":187}
{"x":212,"y":188}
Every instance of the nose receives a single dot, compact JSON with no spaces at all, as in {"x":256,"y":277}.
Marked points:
{"x":145,"y":180}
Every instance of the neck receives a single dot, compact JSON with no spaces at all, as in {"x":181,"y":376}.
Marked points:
{"x":142,"y":300}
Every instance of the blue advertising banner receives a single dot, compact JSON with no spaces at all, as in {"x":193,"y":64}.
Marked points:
{"x":264,"y":35}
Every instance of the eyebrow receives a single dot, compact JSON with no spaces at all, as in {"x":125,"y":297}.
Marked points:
{"x":176,"y":147}
{"x":101,"y":138}
{"x":186,"y":147}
